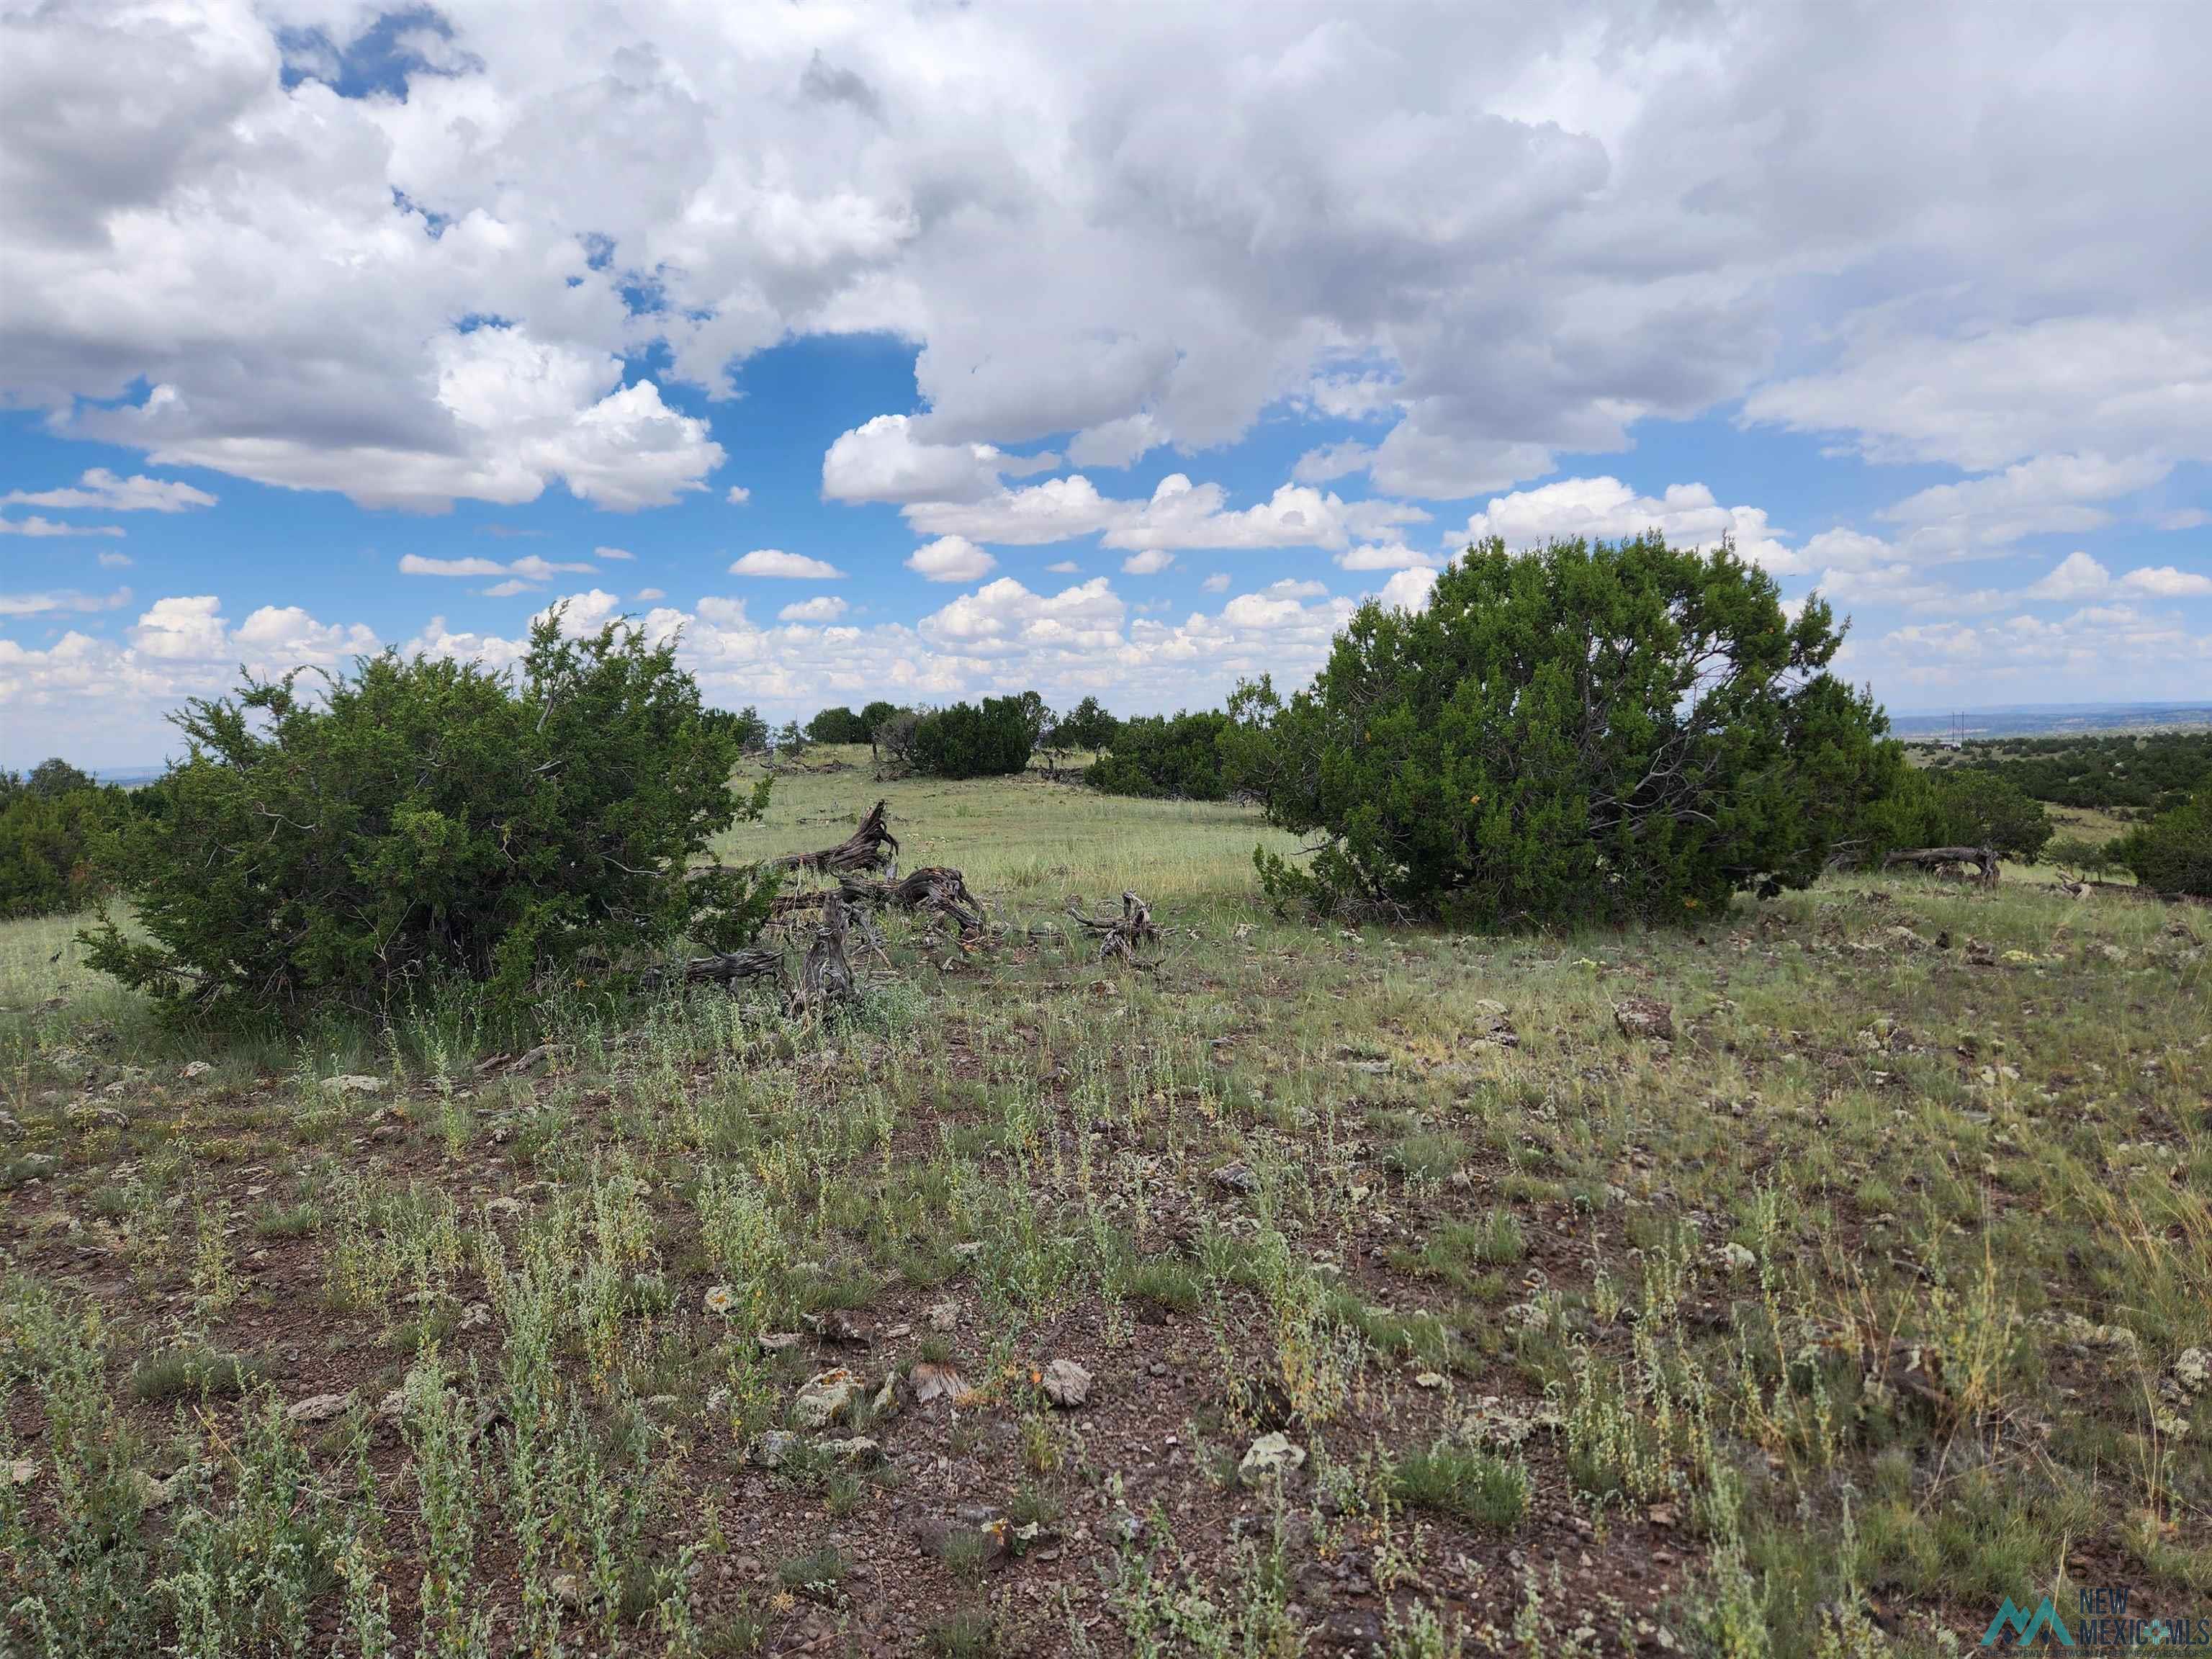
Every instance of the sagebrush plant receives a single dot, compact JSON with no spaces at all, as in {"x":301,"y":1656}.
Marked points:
{"x":425,"y":819}
{"x":1589,"y":732}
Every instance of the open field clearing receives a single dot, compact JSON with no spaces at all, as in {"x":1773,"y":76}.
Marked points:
{"x":1806,"y":1284}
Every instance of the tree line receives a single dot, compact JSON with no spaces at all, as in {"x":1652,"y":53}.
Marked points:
{"x":1585,"y":733}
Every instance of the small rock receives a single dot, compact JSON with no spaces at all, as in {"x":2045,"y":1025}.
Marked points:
{"x":37,"y":1166}
{"x":1236,"y":1178}
{"x":773,"y":1448}
{"x":826,"y":1397}
{"x":945,"y":1316}
{"x":21,"y":1472}
{"x":1271,"y":1456}
{"x":156,"y":1494}
{"x":318,"y":1407}
{"x":107,"y":1117}
{"x":1066,"y":1384}
{"x":1429,"y":1380}
{"x":352,"y":1083}
{"x":1645,"y":1019}
{"x":836,"y":1325}
{"x":860,"y":1448}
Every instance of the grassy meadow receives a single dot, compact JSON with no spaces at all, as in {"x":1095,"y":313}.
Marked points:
{"x":1804,"y":1285}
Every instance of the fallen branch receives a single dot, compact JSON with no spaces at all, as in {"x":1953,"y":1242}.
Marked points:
{"x":935,"y":887}
{"x":1937,"y":858}
{"x":871,"y":847}
{"x":827,"y":975}
{"x":754,"y":962}
{"x":1120,"y":936}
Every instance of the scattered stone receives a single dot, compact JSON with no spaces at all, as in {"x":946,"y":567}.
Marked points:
{"x":1271,"y":1456}
{"x":826,"y":1397}
{"x":1645,"y":1019}
{"x":352,"y":1083}
{"x":157,"y":1494}
{"x":1529,"y":1316}
{"x":772,"y":1449}
{"x":837,"y":1326}
{"x":197,"y":1068}
{"x":1237,"y":1178}
{"x":1066,"y":1384}
{"x":318,"y":1407}
{"x":1493,"y":1024}
{"x":932,"y":1382}
{"x":1350,"y":1630}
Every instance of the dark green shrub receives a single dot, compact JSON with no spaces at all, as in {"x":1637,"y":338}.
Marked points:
{"x":53,"y":827}
{"x":839,"y":725}
{"x":428,"y":819}
{"x":2173,"y":852}
{"x":1086,"y":726}
{"x":965,"y":741}
{"x":1174,"y":756}
{"x":1955,"y":806}
{"x":1589,"y":732}
{"x":745,"y":728}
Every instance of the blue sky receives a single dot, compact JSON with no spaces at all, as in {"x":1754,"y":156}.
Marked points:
{"x":931,"y":353}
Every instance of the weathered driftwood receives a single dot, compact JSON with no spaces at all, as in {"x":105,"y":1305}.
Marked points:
{"x":871,"y":847}
{"x":754,"y":962}
{"x":1120,"y":936}
{"x":827,"y":975}
{"x":939,"y":891}
{"x":1936,"y":858}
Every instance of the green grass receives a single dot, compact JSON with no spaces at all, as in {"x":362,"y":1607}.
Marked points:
{"x":1874,"y":1284}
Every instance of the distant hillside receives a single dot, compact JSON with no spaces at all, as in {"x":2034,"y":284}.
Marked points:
{"x":2042,"y":719}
